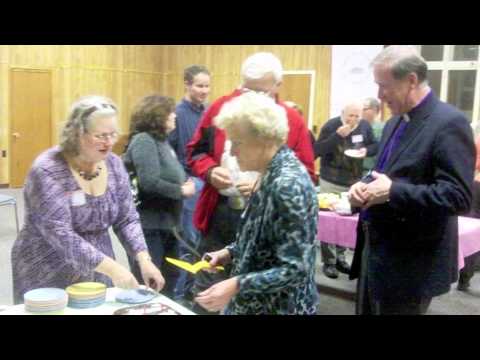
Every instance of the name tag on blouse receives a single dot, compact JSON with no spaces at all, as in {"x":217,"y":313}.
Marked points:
{"x":357,"y":139}
{"x":78,"y":198}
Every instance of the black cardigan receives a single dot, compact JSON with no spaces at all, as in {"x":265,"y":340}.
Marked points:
{"x":335,"y":167}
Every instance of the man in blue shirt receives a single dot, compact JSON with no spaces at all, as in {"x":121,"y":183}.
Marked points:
{"x":189,"y":112}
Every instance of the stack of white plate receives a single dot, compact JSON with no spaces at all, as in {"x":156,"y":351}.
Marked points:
{"x":86,"y":295}
{"x":45,"y":300}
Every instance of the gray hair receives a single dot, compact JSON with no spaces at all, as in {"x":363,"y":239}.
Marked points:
{"x":82,"y":114}
{"x":258,"y":65}
{"x":403,"y":60}
{"x":357,"y":103}
{"x":373,"y":103}
{"x":190,"y":72}
{"x":259,"y":112}
{"x":351,"y":103}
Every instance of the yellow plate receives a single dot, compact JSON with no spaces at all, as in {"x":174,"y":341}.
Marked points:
{"x":89,"y":286}
{"x":86,"y":289}
{"x":192,"y":268}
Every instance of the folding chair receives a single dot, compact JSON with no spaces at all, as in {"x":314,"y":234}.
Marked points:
{"x":10,"y":200}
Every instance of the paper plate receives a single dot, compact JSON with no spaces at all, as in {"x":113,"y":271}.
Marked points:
{"x":354,"y":153}
{"x":88,"y":286}
{"x":86,"y":290}
{"x":45,"y":295}
{"x":135,"y":296}
{"x":192,"y":268}
{"x":35,"y":309}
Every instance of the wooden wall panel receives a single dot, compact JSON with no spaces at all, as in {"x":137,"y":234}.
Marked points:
{"x":224,"y":62}
{"x":124,"y":73}
{"x":128,"y":72}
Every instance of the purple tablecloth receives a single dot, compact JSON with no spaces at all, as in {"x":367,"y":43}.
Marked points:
{"x":341,"y":230}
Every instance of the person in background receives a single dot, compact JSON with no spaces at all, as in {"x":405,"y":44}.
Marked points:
{"x":74,"y":193}
{"x":471,"y":262}
{"x":371,"y":113}
{"x":196,"y":80}
{"x":273,"y":253}
{"x":339,"y":171}
{"x":407,"y":235}
{"x":300,"y":111}
{"x":161,"y":179}
{"x":222,"y":200}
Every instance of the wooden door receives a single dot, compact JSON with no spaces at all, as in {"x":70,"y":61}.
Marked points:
{"x":30,"y":120}
{"x":296,"y":88}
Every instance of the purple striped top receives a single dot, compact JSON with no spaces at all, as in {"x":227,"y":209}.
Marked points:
{"x":63,"y":240}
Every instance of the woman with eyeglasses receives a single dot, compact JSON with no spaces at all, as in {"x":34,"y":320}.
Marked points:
{"x":74,"y":193}
{"x":161,"y":181}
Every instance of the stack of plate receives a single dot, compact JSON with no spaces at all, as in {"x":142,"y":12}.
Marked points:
{"x":86,"y":295}
{"x":45,"y":300}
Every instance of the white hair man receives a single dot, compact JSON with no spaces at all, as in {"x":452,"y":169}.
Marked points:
{"x":407,"y":236}
{"x":216,"y":214}
{"x":339,"y":171}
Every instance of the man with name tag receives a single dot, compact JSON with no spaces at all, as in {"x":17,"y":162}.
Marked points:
{"x":343,"y":143}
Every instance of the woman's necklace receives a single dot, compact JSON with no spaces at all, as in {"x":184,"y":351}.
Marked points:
{"x":88,"y":176}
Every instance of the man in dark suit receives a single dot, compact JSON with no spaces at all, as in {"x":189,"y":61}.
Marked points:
{"x":407,"y":237}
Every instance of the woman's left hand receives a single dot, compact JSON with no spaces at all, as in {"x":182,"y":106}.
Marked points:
{"x":151,"y":275}
{"x":216,"y":297}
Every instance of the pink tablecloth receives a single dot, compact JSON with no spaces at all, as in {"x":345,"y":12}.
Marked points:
{"x":341,"y":230}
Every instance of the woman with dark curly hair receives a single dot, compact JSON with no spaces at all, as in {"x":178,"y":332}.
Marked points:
{"x":161,"y":181}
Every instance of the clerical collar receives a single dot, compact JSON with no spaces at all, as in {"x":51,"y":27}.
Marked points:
{"x":409,"y":114}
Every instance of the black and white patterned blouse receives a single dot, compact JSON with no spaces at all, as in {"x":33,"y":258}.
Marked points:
{"x":274,"y":252}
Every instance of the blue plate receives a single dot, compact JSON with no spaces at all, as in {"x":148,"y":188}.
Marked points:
{"x":45,"y":295}
{"x":135,"y":296}
{"x":72,"y":302}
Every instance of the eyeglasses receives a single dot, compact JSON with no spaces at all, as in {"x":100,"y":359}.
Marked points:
{"x":106,"y":136}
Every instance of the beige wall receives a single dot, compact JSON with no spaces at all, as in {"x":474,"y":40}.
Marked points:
{"x":224,"y":62}
{"x":128,"y":72}
{"x":123,"y":72}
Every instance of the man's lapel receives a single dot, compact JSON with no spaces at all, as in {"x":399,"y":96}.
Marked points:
{"x":417,"y":122}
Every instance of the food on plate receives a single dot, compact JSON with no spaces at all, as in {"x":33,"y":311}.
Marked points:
{"x":327,"y":200}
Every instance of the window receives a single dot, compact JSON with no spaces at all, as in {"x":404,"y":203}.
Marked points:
{"x":453,"y":73}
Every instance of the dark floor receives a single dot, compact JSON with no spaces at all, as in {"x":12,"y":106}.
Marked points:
{"x":336,"y":296}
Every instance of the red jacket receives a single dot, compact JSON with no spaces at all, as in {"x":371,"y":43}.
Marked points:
{"x":206,"y":148}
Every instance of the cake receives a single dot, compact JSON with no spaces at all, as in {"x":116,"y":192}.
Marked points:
{"x":147,"y":309}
